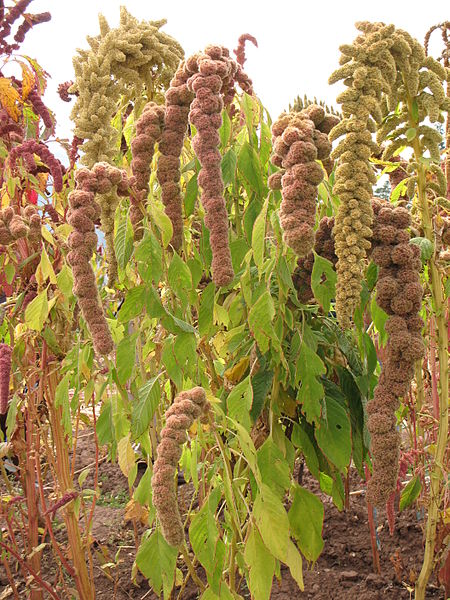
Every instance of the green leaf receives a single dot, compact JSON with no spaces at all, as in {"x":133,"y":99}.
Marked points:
{"x":157,"y":560}
{"x":228,"y":165}
{"x":205,"y":541}
{"x":260,"y":321}
{"x":273,"y":525}
{"x":144,"y":407}
{"x":62,"y":400}
{"x":123,"y":242}
{"x":9,"y":271}
{"x":180,"y":279}
{"x":323,"y":281}
{"x":333,"y":435}
{"x":411,"y":134}
{"x":190,"y":196}
{"x":249,"y":166}
{"x":149,"y":259}
{"x":259,"y":235}
{"x":64,"y":281}
{"x":104,"y":426}
{"x":261,"y":384}
{"x":426,"y":247}
{"x":133,"y":305}
{"x":306,"y":521}
{"x":301,"y":439}
{"x":274,"y":469}
{"x":272,"y":522}
{"x":309,"y":368}
{"x":261,"y":565}
{"x":143,"y":492}
{"x":126,"y":357}
{"x":225,"y":129}
{"x":239,"y":403}
{"x":37,"y":311}
{"x":162,"y":221}
{"x":206,"y":310}
{"x":379,"y":318}
{"x":410,"y":492}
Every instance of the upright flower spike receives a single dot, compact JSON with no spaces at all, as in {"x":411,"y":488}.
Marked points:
{"x":382,"y":68}
{"x":298,"y":141}
{"x":129,"y":59}
{"x":133,"y":58}
{"x":84,"y":211}
{"x":187,"y":407}
{"x":399,"y":294}
{"x":5,"y":375}
{"x":148,"y":132}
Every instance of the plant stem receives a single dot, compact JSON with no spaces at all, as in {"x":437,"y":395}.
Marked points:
{"x":437,"y":472}
{"x":191,"y":569}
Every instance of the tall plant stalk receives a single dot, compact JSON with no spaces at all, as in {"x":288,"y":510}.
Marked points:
{"x":438,"y":472}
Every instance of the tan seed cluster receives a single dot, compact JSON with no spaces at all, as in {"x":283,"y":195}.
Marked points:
{"x":84,"y":212}
{"x":187,"y":407}
{"x":14,"y":226}
{"x":399,"y":294}
{"x":148,"y":132}
{"x":298,"y":140}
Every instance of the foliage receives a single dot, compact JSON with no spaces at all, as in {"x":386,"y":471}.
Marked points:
{"x":283,"y":383}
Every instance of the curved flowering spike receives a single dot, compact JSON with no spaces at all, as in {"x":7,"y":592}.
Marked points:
{"x":84,"y":211}
{"x":63,"y":91}
{"x":215,"y":74}
{"x":240,"y":50}
{"x":34,"y":147}
{"x":399,"y":294}
{"x":148,"y":132}
{"x":5,"y":374}
{"x":187,"y":407}
{"x":178,"y":101}
{"x":39,"y":108}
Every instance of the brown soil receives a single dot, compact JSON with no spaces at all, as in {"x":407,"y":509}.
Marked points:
{"x":343,"y":572}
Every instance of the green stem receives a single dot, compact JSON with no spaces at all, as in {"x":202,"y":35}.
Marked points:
{"x":437,"y":473}
{"x":195,"y":578}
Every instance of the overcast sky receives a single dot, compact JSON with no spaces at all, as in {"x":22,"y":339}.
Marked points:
{"x":298,"y":41}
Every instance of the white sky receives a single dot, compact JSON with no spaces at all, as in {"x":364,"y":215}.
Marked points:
{"x":298,"y":41}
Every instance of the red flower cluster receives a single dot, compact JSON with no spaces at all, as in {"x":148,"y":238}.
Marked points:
{"x":298,"y":140}
{"x":214,"y":86}
{"x":148,"y":132}
{"x":187,"y":407}
{"x":84,"y":212}
{"x":399,"y":294}
{"x":178,"y":101}
{"x":5,"y":374}
{"x":14,"y":13}
{"x":40,"y":109}
{"x":240,"y":50}
{"x":31,"y":147}
{"x":63,"y":91}
{"x":15,"y":226}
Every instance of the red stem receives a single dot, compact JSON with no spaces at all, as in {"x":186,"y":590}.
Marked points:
{"x":35,"y":576}
{"x":373,"y":539}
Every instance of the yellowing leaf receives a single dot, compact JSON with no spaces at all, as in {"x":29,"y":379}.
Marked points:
{"x":45,"y":270}
{"x":236,"y":373}
{"x":9,"y":97}
{"x":126,"y":455}
{"x":28,"y":80}
{"x":37,"y":311}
